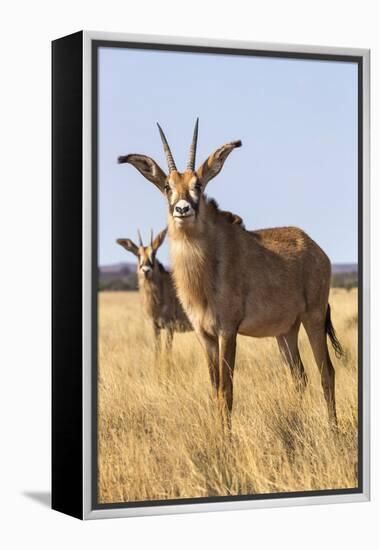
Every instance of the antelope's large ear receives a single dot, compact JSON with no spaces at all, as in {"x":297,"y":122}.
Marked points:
{"x":158,"y":241}
{"x":147,"y":167}
{"x":128,"y":245}
{"x":213,"y":165}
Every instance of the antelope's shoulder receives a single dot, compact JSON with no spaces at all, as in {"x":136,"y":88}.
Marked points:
{"x":281,"y":239}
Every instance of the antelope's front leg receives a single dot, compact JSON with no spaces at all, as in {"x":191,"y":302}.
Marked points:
{"x":169,"y":339}
{"x":227,"y":355}
{"x":210,"y":346}
{"x":157,"y":337}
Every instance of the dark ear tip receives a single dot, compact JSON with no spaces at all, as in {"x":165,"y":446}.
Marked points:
{"x":123,"y":159}
{"x":238,"y":143}
{"x":120,"y":241}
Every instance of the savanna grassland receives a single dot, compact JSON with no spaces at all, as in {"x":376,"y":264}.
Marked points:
{"x":159,"y":431}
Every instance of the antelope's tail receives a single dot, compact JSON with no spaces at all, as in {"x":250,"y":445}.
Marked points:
{"x":329,"y":329}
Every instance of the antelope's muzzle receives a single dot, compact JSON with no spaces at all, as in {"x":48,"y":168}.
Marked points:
{"x":146,"y":270}
{"x":183,"y":209}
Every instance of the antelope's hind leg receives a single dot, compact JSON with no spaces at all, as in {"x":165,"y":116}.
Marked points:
{"x":288,"y":346}
{"x":315,"y":328}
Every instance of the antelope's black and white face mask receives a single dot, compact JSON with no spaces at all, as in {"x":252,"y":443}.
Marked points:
{"x":146,"y":255}
{"x":183,"y":193}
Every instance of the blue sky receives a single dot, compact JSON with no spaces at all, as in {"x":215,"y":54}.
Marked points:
{"x":297,"y":120}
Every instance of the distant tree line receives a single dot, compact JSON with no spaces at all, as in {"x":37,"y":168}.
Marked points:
{"x":128,"y":281}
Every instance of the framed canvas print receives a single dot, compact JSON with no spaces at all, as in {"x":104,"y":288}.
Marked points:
{"x":210,"y":275}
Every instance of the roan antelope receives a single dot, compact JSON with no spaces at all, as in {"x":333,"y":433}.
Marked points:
{"x":230,"y":280}
{"x":159,"y":301}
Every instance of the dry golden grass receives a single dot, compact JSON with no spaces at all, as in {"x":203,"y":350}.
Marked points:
{"x":159,"y":431}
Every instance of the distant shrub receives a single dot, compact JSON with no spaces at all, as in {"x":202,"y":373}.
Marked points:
{"x":345,"y":280}
{"x":121,"y":283}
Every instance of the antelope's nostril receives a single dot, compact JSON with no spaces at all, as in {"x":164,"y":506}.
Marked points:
{"x":183,"y":210}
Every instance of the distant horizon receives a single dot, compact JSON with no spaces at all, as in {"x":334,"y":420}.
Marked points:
{"x":134,"y":263}
{"x":297,"y":119}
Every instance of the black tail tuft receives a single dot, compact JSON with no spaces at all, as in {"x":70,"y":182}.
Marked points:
{"x":329,"y":329}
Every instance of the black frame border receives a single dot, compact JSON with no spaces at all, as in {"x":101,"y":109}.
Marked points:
{"x":67,"y":292}
{"x":95,"y":46}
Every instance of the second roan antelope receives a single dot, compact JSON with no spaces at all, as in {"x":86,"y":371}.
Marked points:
{"x":159,"y":301}
{"x":231,"y":281}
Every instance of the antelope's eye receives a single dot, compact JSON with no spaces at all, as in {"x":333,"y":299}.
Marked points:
{"x":167,"y":188}
{"x":198,"y":186}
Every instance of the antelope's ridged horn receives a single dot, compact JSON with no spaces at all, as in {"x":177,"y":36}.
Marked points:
{"x":139,"y":237}
{"x":167,"y":150}
{"x":151,"y":237}
{"x":192,"y":152}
